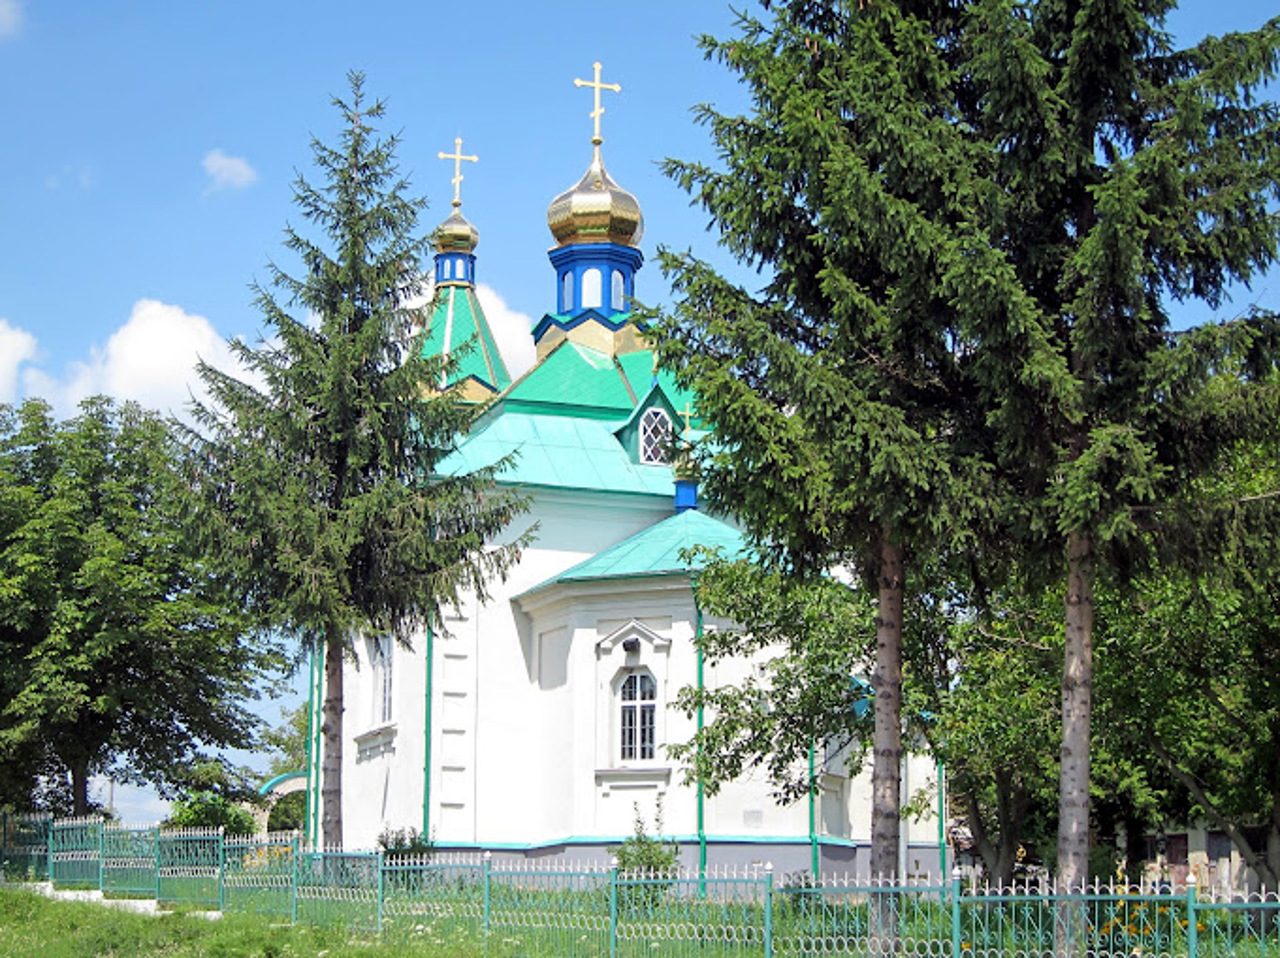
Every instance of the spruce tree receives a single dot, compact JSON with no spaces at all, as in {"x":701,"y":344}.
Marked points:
{"x":846,"y":418}
{"x":972,"y":219}
{"x":1134,"y":176}
{"x":317,"y":464}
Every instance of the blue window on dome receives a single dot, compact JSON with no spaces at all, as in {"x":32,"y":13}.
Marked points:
{"x":617,"y":292}
{"x":591,"y":289}
{"x":566,"y":292}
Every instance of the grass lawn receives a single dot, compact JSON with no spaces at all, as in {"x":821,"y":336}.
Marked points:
{"x":32,"y":926}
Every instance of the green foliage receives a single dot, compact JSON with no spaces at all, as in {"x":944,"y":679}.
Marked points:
{"x":315,"y":466}
{"x":646,"y":866}
{"x":288,"y":813}
{"x":119,"y":651}
{"x":210,"y":810}
{"x":642,"y":853}
{"x":288,"y":742}
{"x":406,"y":842}
{"x":817,"y":634}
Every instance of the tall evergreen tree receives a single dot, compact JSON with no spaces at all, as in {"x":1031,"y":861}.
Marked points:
{"x":318,"y":467}
{"x":846,"y":423}
{"x":972,"y":218}
{"x":1134,"y":175}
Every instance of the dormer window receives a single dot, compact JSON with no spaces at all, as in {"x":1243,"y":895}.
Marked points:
{"x":655,"y":437}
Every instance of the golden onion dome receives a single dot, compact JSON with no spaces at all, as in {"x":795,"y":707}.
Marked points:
{"x":456,"y":234}
{"x":596,"y":210}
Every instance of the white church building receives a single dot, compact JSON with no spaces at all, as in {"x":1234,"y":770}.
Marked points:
{"x":539,"y":725}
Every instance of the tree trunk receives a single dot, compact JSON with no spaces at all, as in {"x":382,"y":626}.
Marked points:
{"x":79,"y":786}
{"x":886,"y":683}
{"x":1077,"y":713}
{"x":331,"y":766}
{"x":886,"y":771}
{"x":1077,"y":708}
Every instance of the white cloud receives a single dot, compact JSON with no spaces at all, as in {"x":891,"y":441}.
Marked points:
{"x":150,"y":359}
{"x":10,"y":18}
{"x":16,"y":347}
{"x":226,"y":172}
{"x":512,"y":330}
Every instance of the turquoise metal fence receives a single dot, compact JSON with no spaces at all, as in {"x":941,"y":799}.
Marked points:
{"x":258,"y":874}
{"x":24,"y":847}
{"x":540,"y":908}
{"x":129,"y":862}
{"x":75,"y":857}
{"x":189,"y":867}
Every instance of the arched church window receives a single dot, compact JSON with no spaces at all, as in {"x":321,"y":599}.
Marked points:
{"x":655,"y":437}
{"x":618,"y":292}
{"x":566,"y":293}
{"x":638,"y":702}
{"x":591,"y":289}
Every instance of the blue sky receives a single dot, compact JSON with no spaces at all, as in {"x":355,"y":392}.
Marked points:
{"x":149,"y":147}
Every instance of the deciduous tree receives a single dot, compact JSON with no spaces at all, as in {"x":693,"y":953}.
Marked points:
{"x":120,"y":653}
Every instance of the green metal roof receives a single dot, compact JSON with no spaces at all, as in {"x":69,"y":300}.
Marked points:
{"x":575,"y":375}
{"x":567,"y":452}
{"x":656,"y":550}
{"x":456,"y":321}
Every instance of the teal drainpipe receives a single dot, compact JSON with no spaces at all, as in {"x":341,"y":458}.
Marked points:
{"x":813,"y":818}
{"x":426,"y":739}
{"x":702,"y":831}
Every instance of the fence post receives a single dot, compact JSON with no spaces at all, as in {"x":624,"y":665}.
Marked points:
{"x":768,"y":910}
{"x":954,"y":887}
{"x":155,"y":859}
{"x":1193,"y":930}
{"x":49,"y":849}
{"x":382,"y":889}
{"x":222,"y":869}
{"x":102,"y":851}
{"x":488,"y":868}
{"x":613,"y":909}
{"x":293,"y":879}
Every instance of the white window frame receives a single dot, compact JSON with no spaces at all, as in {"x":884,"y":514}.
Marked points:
{"x":636,"y":707}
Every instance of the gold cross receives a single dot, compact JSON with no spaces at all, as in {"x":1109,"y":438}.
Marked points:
{"x":599,"y":110}
{"x":457,"y":157}
{"x":687,"y":415}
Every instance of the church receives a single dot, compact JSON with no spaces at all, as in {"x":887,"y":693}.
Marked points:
{"x":537,"y":727}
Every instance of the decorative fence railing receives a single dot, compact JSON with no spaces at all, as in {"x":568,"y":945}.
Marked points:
{"x":555,"y":909}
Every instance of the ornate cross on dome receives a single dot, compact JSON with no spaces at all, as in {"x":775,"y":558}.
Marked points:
{"x":457,"y":157}
{"x":687,"y":415}
{"x":599,"y":110}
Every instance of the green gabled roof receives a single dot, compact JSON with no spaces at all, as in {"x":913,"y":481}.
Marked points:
{"x":456,"y":321}
{"x":656,"y":550}
{"x":577,"y":376}
{"x":567,"y":452}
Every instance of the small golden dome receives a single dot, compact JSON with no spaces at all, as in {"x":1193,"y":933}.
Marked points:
{"x":596,"y":210}
{"x":456,"y":234}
